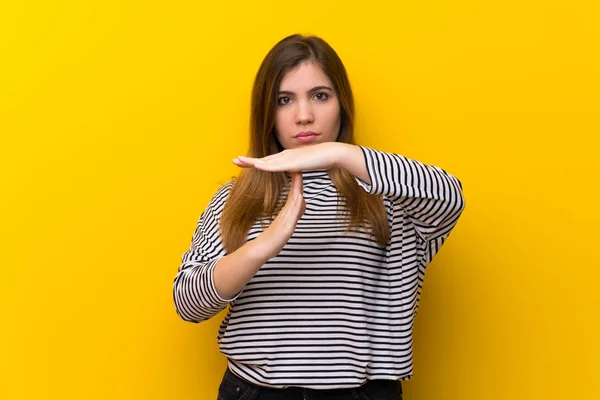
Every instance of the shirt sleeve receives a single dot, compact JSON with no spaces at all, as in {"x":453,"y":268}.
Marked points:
{"x":196,"y":298}
{"x":430,"y":196}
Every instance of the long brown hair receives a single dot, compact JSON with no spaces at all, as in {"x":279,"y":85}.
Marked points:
{"x":256,"y":194}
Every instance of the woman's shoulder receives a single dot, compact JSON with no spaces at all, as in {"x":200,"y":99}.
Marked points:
{"x":217,"y":202}
{"x":222,"y":192}
{"x":224,"y":188}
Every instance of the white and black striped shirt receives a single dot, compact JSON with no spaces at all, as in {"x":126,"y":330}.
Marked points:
{"x":334,"y":308}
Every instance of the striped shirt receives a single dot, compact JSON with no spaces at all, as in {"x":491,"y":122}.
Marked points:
{"x":333,"y":308}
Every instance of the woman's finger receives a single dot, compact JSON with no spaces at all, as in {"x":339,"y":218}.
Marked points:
{"x":297,"y":188}
{"x":270,"y":158}
{"x":241,"y":164}
{"x":248,"y":160}
{"x":271,"y":166}
{"x":298,"y":194}
{"x":274,"y":163}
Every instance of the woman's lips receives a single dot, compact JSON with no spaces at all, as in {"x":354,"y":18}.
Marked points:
{"x":306,"y":137}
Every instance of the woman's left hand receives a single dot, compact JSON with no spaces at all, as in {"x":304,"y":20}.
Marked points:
{"x":318,"y":156}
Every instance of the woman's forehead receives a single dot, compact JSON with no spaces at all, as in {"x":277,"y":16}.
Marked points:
{"x":304,"y":77}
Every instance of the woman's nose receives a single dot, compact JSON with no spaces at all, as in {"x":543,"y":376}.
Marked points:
{"x":304,"y":113}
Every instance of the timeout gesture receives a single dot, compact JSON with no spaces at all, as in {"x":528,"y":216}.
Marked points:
{"x":318,"y":156}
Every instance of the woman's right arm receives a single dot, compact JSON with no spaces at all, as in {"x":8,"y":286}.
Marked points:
{"x":208,"y":279}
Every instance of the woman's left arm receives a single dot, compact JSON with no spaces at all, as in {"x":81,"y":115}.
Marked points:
{"x":430,"y":196}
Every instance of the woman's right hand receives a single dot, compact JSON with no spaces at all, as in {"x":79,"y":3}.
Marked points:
{"x":275,"y":237}
{"x":233,"y":271}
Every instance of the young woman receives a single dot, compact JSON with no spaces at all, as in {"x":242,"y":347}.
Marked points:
{"x":319,"y":247}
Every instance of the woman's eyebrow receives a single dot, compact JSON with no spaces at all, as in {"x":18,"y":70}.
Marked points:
{"x":316,"y":88}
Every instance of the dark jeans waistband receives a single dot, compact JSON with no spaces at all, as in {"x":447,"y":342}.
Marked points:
{"x":234,"y":387}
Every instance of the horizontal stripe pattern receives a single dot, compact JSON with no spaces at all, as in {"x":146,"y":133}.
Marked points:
{"x":334,"y":308}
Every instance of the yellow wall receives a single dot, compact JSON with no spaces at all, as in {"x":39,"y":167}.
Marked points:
{"x":119,"y":121}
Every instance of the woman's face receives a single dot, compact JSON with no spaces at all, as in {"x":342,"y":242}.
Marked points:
{"x":308,"y":109}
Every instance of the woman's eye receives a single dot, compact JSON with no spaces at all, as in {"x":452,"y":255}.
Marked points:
{"x":322,"y":96}
{"x":283,"y":100}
